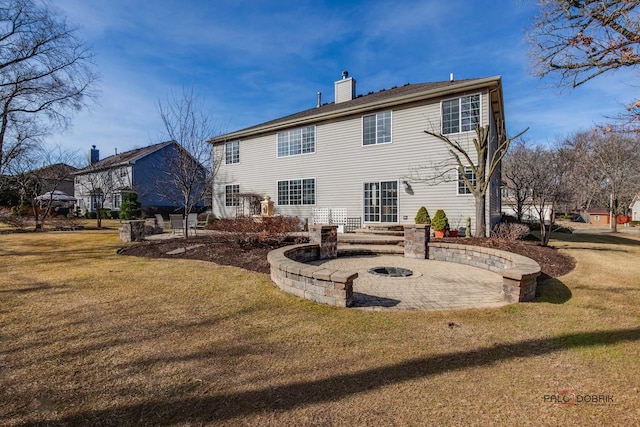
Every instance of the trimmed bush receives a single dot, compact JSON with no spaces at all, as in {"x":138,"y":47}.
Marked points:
{"x":422,"y":217}
{"x":440,"y":221}
{"x":130,"y":207}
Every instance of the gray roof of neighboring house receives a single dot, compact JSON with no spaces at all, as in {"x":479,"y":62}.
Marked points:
{"x":384,"y":98}
{"x":123,"y":159}
{"x":56,"y":171}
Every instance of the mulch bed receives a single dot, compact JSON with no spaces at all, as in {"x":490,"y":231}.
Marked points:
{"x":226,"y":251}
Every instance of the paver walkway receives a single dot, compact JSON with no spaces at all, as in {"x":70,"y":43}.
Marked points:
{"x":435,"y":285}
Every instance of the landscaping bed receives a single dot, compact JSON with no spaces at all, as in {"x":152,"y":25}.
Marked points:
{"x":253,"y":256}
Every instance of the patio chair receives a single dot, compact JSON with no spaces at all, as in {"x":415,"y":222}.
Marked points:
{"x":192,"y":222}
{"x":159,"y":221}
{"x":177,"y":223}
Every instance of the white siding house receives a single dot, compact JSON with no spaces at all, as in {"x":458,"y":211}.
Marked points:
{"x":367,"y":154}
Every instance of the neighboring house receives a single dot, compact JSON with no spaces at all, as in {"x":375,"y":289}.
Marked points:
{"x":529,"y":212}
{"x":103,"y":182}
{"x":635,"y":209}
{"x":596,"y":216}
{"x":360,"y":153}
{"x":56,"y":177}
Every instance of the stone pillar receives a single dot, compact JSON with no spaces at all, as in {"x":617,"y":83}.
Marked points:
{"x":327,"y":237}
{"x":132,"y":230}
{"x":416,"y":241}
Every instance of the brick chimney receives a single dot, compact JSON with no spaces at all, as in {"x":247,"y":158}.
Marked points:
{"x":345,"y":89}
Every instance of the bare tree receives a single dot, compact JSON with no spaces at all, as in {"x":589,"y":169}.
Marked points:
{"x":609,"y":168}
{"x":577,"y":41}
{"x":46,"y":73}
{"x":483,"y":163}
{"x":39,"y":171}
{"x":517,"y":177}
{"x":548,"y":189}
{"x":188,"y":170}
{"x":99,"y":183}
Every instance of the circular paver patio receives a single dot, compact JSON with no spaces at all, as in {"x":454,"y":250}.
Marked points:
{"x":435,"y":285}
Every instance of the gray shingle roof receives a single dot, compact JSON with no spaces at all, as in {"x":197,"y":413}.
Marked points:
{"x":124,"y":158}
{"x":372,"y":98}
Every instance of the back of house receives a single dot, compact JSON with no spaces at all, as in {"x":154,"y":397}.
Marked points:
{"x":364,"y":157}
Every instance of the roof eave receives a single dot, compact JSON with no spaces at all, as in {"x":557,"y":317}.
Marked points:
{"x":433,"y":93}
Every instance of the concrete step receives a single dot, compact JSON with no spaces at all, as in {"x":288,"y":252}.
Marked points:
{"x":350,"y":250}
{"x":369,"y":239}
{"x":380,"y":231}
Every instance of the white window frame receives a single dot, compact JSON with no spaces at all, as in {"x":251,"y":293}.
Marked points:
{"x":117,"y":201}
{"x":96,"y":201}
{"x":461,"y":184}
{"x":232,"y":153}
{"x":380,"y":118}
{"x":461,"y":126}
{"x":302,"y":197}
{"x":380,"y":202}
{"x":230,"y":195}
{"x":289,"y":138}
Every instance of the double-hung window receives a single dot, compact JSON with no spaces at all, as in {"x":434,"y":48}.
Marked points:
{"x":460,"y":114}
{"x":297,"y":192}
{"x":232,"y":152}
{"x":376,"y":128}
{"x":231,"y":195}
{"x":471,"y":176}
{"x":294,"y":142}
{"x":117,"y":200}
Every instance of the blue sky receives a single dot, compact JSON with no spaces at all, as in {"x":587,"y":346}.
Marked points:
{"x":253,"y":61}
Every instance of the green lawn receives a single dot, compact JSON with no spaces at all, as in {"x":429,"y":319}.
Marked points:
{"x":88,"y":337}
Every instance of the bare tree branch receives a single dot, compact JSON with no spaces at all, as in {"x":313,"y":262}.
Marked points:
{"x":46,"y":72}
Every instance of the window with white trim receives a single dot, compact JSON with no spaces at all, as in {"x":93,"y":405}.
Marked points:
{"x":297,"y":192}
{"x":294,"y":142}
{"x":96,"y":201}
{"x":471,"y":176}
{"x":117,"y":200}
{"x":231,"y":195}
{"x":460,"y":114}
{"x":232,"y":152}
{"x":376,"y":128}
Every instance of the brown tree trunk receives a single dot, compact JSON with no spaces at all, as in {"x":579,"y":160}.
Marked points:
{"x":481,"y":228}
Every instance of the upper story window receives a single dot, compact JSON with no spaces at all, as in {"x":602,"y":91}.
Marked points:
{"x":471,"y":176}
{"x":295,"y":142}
{"x":460,"y":114}
{"x":232,"y":152}
{"x":376,"y":128}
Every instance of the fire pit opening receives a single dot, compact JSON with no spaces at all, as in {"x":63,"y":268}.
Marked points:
{"x":391,"y":271}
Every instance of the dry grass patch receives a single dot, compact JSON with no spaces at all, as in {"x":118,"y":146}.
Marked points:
{"x":92,"y":338}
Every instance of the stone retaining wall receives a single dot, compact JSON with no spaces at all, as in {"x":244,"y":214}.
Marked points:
{"x":519,"y":273}
{"x":290,"y":273}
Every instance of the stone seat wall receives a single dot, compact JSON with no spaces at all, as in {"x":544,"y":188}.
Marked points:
{"x":519,"y":273}
{"x":291,"y":274}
